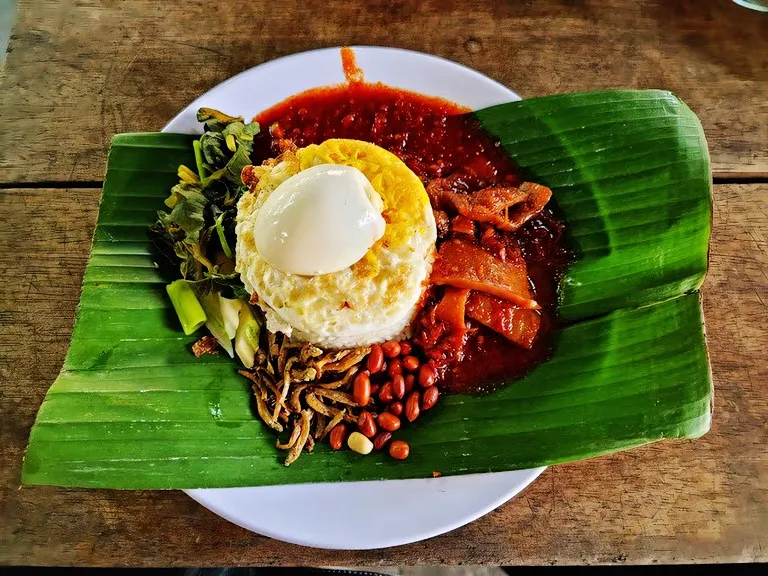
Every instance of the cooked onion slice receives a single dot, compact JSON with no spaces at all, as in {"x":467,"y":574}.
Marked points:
{"x":463,"y":264}
{"x":450,"y":310}
{"x":519,"y":325}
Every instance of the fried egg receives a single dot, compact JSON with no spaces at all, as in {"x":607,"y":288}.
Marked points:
{"x":322,"y":220}
{"x":374,"y":296}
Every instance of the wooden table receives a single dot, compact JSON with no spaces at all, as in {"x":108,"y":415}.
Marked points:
{"x":78,"y":72}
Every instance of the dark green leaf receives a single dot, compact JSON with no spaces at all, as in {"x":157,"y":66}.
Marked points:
{"x":630,"y":173}
{"x":240,"y":159}
{"x":187,"y":214}
{"x":212,"y":146}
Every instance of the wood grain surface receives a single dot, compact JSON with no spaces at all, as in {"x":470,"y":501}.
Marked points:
{"x":79,"y":72}
{"x":684,"y":501}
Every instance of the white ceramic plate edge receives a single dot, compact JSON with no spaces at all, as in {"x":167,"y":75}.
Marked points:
{"x":497,"y":487}
{"x":405,"y":511}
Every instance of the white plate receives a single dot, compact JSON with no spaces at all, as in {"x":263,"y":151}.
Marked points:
{"x":373,"y":514}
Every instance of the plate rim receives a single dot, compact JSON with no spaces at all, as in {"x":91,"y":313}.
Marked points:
{"x":204,"y":496}
{"x":199,"y":496}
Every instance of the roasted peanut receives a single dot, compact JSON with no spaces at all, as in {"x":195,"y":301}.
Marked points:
{"x":405,"y":348}
{"x":396,"y":408}
{"x":398,"y":386}
{"x":430,"y":397}
{"x":338,"y":435}
{"x":399,"y":450}
{"x":385,"y":393}
{"x":394,"y":366}
{"x":410,"y":382}
{"x":388,"y":421}
{"x":412,"y":408}
{"x":361,"y":388}
{"x":391,"y":349}
{"x":427,"y":375}
{"x":411,"y":363}
{"x":366,"y":425}
{"x":375,"y":359}
{"x":381,"y":440}
{"x":359,"y":443}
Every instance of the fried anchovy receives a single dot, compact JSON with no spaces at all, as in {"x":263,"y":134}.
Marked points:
{"x":268,"y":380}
{"x":280,"y":400}
{"x":319,"y":425}
{"x":332,"y":424}
{"x":304,"y":375}
{"x":336,"y":396}
{"x":272,"y":347}
{"x":340,"y":383}
{"x":308,"y":352}
{"x":295,"y":452}
{"x":295,"y":401}
{"x":315,"y":403}
{"x":282,"y":357}
{"x":261,"y":407}
{"x":349,"y":360}
{"x":291,"y":441}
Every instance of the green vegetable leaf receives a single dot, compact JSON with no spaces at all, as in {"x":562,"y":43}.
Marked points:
{"x":187,"y":212}
{"x":213,"y":147}
{"x":243,"y":135}
{"x":215,"y":120}
{"x":215,"y":150}
{"x":240,"y":159}
{"x":202,"y":217}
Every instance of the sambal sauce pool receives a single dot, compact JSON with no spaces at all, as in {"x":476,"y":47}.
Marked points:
{"x":432,"y":136}
{"x":436,"y":139}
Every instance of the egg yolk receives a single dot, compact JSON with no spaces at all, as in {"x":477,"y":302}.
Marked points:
{"x":319,"y":221}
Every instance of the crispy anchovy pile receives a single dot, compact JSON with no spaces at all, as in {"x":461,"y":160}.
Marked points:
{"x":302,"y":389}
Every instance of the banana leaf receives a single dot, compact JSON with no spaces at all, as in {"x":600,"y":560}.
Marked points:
{"x":133,"y":409}
{"x":630,"y":172}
